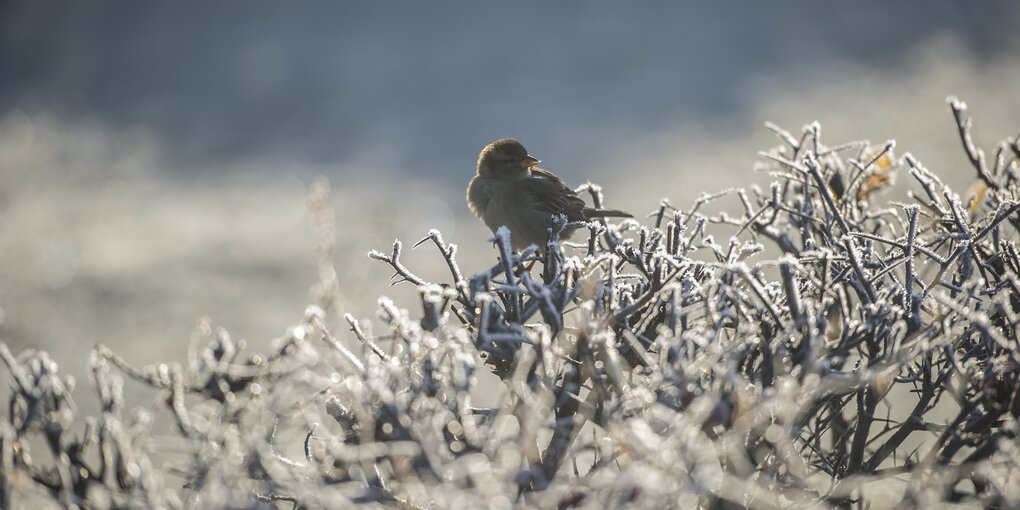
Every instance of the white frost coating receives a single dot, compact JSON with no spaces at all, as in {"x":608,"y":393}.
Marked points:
{"x":675,"y":361}
{"x":314,"y":312}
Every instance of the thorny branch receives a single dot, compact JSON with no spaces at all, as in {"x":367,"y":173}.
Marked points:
{"x":673,"y":365}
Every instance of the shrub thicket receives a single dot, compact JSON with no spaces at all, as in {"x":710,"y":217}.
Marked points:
{"x":819,"y":347}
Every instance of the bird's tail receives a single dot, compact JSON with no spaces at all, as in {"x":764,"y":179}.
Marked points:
{"x":605,"y":213}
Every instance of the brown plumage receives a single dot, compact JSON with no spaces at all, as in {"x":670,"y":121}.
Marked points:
{"x":509,"y":190}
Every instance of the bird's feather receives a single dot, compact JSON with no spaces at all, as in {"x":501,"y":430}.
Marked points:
{"x":551,"y":195}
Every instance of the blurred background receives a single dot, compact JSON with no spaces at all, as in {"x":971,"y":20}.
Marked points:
{"x":155,"y":156}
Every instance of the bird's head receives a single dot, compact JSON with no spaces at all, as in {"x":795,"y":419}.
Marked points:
{"x":505,"y":159}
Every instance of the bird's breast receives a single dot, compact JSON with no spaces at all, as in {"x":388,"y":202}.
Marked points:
{"x":501,"y":202}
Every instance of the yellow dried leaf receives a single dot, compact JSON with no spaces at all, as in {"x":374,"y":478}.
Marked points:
{"x":976,"y":196}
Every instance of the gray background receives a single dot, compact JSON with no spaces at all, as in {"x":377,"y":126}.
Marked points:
{"x":154,"y":157}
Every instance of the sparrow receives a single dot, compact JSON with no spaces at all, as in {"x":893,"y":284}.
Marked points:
{"x":509,"y":190}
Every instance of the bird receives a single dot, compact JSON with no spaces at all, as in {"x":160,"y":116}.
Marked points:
{"x":510,"y":190}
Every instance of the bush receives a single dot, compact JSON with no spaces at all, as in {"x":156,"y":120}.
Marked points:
{"x":830,"y":353}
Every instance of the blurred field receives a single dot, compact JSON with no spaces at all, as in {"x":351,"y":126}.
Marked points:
{"x":145,"y":183}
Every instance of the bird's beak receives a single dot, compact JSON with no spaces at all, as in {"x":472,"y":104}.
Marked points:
{"x":529,"y":162}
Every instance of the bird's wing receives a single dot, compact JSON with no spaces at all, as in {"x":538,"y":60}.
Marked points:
{"x":551,"y":195}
